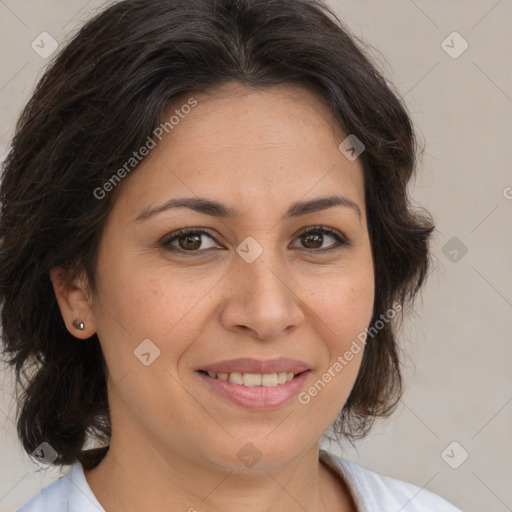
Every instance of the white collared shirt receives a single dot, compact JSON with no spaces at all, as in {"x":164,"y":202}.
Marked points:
{"x":371,"y":492}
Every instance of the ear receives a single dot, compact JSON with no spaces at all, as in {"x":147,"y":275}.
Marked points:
{"x":73,"y":302}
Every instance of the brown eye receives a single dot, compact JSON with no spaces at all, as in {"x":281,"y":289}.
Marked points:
{"x":312,"y":241}
{"x":314,"y":238}
{"x":188,"y":240}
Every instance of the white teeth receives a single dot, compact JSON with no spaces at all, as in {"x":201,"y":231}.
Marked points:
{"x":254,"y":379}
{"x":236,"y":378}
{"x":269,"y":379}
{"x":281,"y":377}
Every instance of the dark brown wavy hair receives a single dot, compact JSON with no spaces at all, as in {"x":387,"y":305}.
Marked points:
{"x":98,"y":102}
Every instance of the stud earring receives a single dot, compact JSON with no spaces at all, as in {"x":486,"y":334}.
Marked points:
{"x":80,"y":326}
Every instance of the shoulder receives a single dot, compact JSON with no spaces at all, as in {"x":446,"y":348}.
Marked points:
{"x":69,"y":493}
{"x":52,"y":497}
{"x":372,"y":491}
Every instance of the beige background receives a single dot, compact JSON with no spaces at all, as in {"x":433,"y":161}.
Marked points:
{"x":458,"y":345}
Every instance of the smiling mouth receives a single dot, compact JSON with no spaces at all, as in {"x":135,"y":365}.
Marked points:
{"x":253,"y":379}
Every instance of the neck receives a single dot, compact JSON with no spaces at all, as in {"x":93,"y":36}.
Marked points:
{"x":132,"y":478}
{"x":140,"y":472}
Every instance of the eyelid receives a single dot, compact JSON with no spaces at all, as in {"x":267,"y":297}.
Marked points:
{"x":165,"y":242}
{"x":341,"y":239}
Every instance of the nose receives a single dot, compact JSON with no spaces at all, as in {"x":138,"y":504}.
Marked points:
{"x":261,"y":299}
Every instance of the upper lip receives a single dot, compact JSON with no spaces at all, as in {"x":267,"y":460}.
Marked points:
{"x":250,"y":365}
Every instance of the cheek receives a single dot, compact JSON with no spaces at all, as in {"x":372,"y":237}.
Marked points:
{"x":344,"y":304}
{"x":143,"y":296}
{"x":345,"y":311}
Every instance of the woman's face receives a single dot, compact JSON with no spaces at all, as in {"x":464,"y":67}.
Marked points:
{"x":249,"y":286}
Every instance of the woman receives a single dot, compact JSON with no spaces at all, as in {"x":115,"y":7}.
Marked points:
{"x":206,"y":246}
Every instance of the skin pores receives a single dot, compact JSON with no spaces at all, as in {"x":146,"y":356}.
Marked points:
{"x":256,"y":151}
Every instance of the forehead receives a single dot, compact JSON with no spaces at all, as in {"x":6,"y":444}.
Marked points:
{"x":252,"y":116}
{"x":249,"y":144}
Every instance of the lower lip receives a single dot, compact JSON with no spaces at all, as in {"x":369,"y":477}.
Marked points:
{"x":256,"y":397}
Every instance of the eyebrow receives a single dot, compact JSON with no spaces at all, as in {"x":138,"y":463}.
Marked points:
{"x":216,"y":209}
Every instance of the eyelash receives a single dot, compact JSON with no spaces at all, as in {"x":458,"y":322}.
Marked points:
{"x":166,"y":242}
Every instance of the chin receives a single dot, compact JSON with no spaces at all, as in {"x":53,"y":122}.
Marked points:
{"x":262,"y":453}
